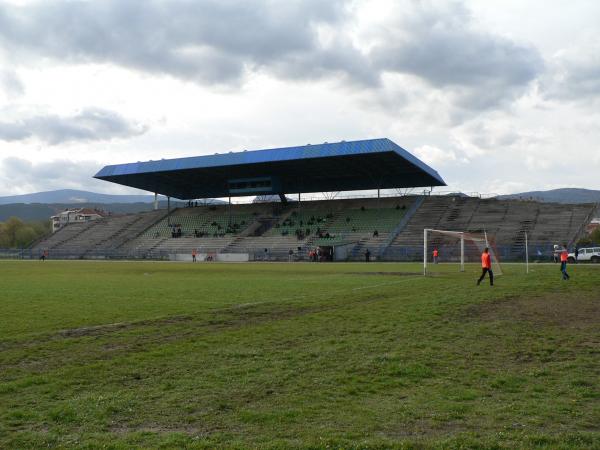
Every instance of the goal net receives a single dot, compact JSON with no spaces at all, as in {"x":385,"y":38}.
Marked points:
{"x":456,"y":247}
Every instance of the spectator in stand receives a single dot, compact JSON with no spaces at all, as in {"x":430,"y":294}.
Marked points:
{"x":375,"y":233}
{"x":564,"y":257}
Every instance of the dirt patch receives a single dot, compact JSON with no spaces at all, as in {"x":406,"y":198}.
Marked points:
{"x":552,"y":309}
{"x":102,"y":329}
{"x":158,"y":429}
{"x":395,"y":274}
{"x":219,"y":320}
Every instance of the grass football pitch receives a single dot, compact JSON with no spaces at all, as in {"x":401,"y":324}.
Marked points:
{"x":297,"y":355}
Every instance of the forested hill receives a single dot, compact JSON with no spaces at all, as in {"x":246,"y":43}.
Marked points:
{"x":565,"y":195}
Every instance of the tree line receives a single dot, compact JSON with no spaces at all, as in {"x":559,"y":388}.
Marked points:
{"x":14,"y":233}
{"x":590,"y":239}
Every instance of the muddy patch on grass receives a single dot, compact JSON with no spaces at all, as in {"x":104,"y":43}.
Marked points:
{"x":164,"y":330}
{"x":393,"y":274}
{"x":552,"y":309}
{"x":106,"y":328}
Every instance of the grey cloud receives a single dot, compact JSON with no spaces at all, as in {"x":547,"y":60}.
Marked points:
{"x":219,"y":42}
{"x":27,"y":176}
{"x":575,"y":75}
{"x":11,"y":84}
{"x":88,"y":125}
{"x":441,"y":45}
{"x":209,"y":41}
{"x":342,"y":60}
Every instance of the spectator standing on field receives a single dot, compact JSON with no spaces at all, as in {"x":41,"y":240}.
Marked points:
{"x":194,"y":255}
{"x":555,"y":254}
{"x":576,"y":253}
{"x":367,"y":256}
{"x":435,"y":255}
{"x":564,"y":257}
{"x":486,"y":266}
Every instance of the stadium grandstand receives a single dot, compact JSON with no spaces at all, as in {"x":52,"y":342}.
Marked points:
{"x":390,"y":226}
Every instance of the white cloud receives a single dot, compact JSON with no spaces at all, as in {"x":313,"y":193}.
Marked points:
{"x":435,"y":156}
{"x":91,"y":124}
{"x":575,"y":74}
{"x":470,"y":89}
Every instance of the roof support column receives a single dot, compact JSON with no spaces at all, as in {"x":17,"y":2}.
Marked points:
{"x":169,"y":211}
{"x":229,"y":212}
{"x":155,"y":201}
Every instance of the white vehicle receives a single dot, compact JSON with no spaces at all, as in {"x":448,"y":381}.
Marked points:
{"x":586,"y":254}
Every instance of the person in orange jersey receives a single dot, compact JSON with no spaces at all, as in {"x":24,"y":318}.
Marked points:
{"x":486,"y":266}
{"x":564,"y":257}
{"x":435,"y":255}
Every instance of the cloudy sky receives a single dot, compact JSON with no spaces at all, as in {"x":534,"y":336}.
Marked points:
{"x":499,"y":96}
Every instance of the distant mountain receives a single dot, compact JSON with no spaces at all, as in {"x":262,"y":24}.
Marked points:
{"x":42,"y":211}
{"x":42,"y":205}
{"x":565,"y":195}
{"x":72,"y":196}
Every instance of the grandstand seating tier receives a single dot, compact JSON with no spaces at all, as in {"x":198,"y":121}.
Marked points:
{"x":251,"y":228}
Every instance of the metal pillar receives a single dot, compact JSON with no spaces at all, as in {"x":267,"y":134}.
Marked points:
{"x":229,"y":210}
{"x":169,"y":211}
{"x":425,"y":251}
{"x":155,"y":201}
{"x":462,"y":252}
{"x":526,"y":255}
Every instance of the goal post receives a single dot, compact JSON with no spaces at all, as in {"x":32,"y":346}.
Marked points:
{"x":451,"y":241}
{"x":452,"y":233}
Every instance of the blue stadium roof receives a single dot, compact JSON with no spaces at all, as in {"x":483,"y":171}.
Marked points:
{"x":341,"y":166}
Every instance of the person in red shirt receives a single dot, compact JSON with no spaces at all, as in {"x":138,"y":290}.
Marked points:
{"x":435,"y":255}
{"x":564,"y":257}
{"x":194,"y":253}
{"x":486,"y":266}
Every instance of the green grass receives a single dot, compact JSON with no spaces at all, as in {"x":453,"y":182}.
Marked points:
{"x":174,"y":355}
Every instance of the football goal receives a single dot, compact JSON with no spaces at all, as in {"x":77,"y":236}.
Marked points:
{"x":456,"y":247}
